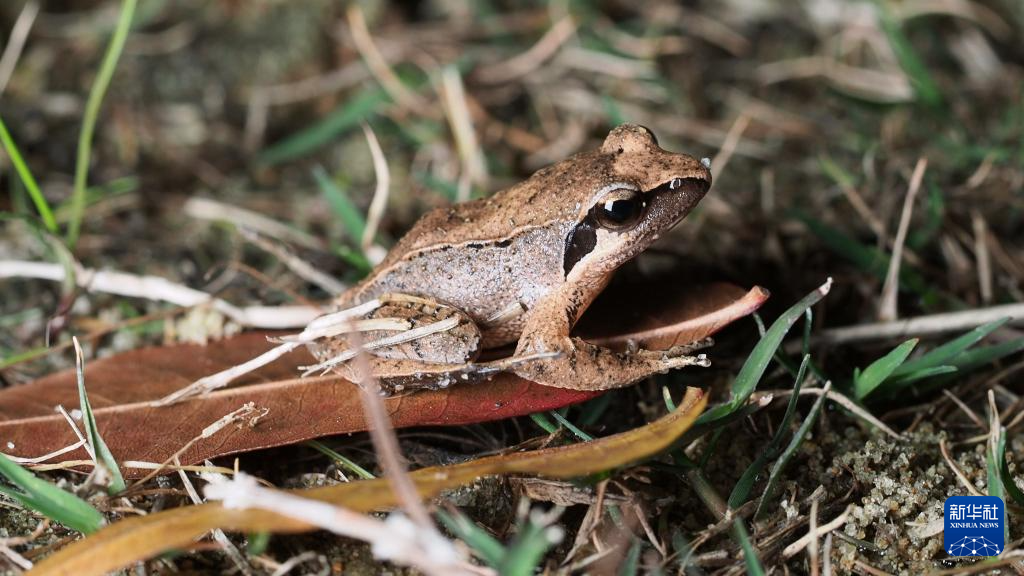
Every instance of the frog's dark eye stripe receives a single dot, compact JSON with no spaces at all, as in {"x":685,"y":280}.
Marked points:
{"x":580,"y":242}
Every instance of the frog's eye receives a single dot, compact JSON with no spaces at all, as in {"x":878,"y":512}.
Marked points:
{"x":620,"y":209}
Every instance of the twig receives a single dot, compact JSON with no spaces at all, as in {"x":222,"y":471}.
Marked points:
{"x":826,"y":568}
{"x":45,"y":457}
{"x":300,"y":267}
{"x":965,"y":408}
{"x":838,"y":399}
{"x":981,"y":256}
{"x":732,"y":139}
{"x":290,"y":564}
{"x":263,"y":97}
{"x":976,"y":12}
{"x":162,"y":289}
{"x":385,"y":443}
{"x":380,"y":193}
{"x":133,"y":464}
{"x":218,"y":534}
{"x":209,"y":209}
{"x":474,"y":168}
{"x":18,"y":559}
{"x":15,"y":558}
{"x":804,"y":541}
{"x":869,"y":569}
{"x":393,"y":539}
{"x":207,"y":384}
{"x":924,"y":325}
{"x":956,"y":469}
{"x":319,"y":327}
{"x":812,"y":545}
{"x":378,"y":65}
{"x":247,"y":411}
{"x":887,"y":311}
{"x":526,"y":62}
{"x":16,"y":42}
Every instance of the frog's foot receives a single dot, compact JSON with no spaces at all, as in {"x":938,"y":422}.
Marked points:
{"x":580,"y":365}
{"x":679,"y":357}
{"x":397,"y":375}
{"x":633,"y":347}
{"x":702,"y":344}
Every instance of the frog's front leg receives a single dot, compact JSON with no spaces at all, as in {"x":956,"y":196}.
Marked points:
{"x":577,"y":364}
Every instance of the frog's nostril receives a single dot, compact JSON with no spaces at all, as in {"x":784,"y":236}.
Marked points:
{"x":698,"y":185}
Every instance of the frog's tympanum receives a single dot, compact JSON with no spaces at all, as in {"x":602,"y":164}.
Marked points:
{"x":522,"y":266}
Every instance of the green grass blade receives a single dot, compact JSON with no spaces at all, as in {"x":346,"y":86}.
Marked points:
{"x":921,"y":375}
{"x":485,"y":546}
{"x":55,"y":244}
{"x":49,"y":500}
{"x":525,"y":553}
{"x":631,"y":563}
{"x":868,"y":258}
{"x":969,"y":361}
{"x":745,"y":484}
{"x":92,"y":112}
{"x":977,"y":357}
{"x":340,"y":459}
{"x":794,"y":444}
{"x":42,"y":206}
{"x":572,"y":427}
{"x":92,"y":434}
{"x":683,"y":550}
{"x":995,"y":454}
{"x":1009,"y":485}
{"x":446,"y":188}
{"x":348,"y":116}
{"x":257,"y":543}
{"x":926,"y":89}
{"x":756,"y":364}
{"x":878,"y":371}
{"x":592,"y":410}
{"x":541,"y":420}
{"x":612,"y":111}
{"x":837,"y":173}
{"x":935,"y":212}
{"x":739,"y":532}
{"x":96,"y":194}
{"x":946,"y":353}
{"x":351,"y":217}
{"x":701,"y":428}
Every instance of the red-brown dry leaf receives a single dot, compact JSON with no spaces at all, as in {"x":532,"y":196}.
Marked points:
{"x":138,"y":538}
{"x":120,"y":389}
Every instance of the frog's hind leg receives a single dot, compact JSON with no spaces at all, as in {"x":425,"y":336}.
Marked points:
{"x":418,"y":339}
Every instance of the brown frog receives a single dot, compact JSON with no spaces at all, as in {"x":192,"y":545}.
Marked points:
{"x":521,"y":267}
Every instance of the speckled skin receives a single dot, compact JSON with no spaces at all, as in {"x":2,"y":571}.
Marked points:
{"x":501,"y":261}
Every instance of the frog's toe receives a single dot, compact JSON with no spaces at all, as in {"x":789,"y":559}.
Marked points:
{"x":687,"y":360}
